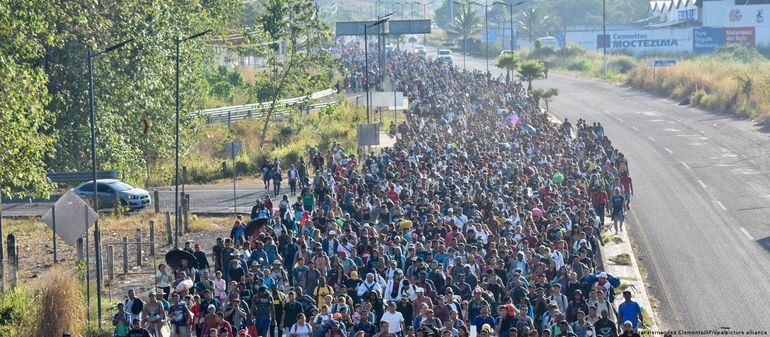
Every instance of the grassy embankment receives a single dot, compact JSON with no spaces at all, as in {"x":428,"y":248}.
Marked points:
{"x":288,"y":140}
{"x":734,"y":79}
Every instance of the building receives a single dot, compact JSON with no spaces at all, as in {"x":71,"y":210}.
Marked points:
{"x":682,"y":26}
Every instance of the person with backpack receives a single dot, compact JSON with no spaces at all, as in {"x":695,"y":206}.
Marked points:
{"x":301,"y":328}
{"x":154,"y":315}
{"x":277,"y":177}
{"x":180,"y":316}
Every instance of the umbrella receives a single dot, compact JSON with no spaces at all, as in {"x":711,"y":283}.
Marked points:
{"x":184,"y":285}
{"x":528,"y":129}
{"x":513,"y":119}
{"x":254,"y":225}
{"x":175,"y":256}
{"x":536,"y":212}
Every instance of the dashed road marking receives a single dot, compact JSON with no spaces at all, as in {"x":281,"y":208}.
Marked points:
{"x":747,"y":234}
{"x":635,"y":128}
{"x":685,"y":165}
{"x":650,"y":138}
{"x":721,"y":205}
{"x":618,"y":119}
{"x":669,"y":151}
{"x":701,"y":183}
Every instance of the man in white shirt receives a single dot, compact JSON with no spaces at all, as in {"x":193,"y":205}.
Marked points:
{"x":395,"y":320}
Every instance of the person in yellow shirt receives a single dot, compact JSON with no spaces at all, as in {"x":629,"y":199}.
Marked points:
{"x":322,"y":290}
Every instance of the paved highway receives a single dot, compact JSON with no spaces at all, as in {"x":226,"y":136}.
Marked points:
{"x":701,"y":214}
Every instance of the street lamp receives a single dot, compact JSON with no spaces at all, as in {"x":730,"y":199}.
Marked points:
{"x":179,"y":40}
{"x":366,"y":58}
{"x":510,"y":10}
{"x":465,"y":31}
{"x":97,"y":234}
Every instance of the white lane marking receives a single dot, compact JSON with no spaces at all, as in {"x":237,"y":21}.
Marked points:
{"x":685,"y":165}
{"x":671,"y":130}
{"x":747,"y":234}
{"x":669,"y":151}
{"x":721,"y":205}
{"x":702,"y":184}
{"x":635,"y":128}
{"x":650,"y":138}
{"x":657,"y":120}
{"x":619,"y":120}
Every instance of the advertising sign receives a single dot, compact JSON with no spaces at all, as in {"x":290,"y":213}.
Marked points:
{"x":707,"y":39}
{"x":408,"y":27}
{"x":353,"y":28}
{"x":740,"y":35}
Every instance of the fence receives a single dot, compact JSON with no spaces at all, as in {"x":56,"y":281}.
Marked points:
{"x":238,"y":112}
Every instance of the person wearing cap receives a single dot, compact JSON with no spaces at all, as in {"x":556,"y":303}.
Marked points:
{"x":121,"y":321}
{"x":137,"y":330}
{"x":237,"y":312}
{"x":278,"y":274}
{"x":263,"y":311}
{"x":154,"y":314}
{"x":628,"y":330}
{"x":630,"y":311}
{"x":395,"y":320}
{"x":179,"y":317}
{"x":562,"y":329}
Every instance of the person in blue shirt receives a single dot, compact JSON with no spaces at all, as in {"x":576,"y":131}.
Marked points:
{"x":482,"y":319}
{"x":630,"y":311}
{"x":618,"y":209}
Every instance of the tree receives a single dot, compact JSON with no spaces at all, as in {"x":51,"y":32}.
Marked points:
{"x":466,"y":24}
{"x":442,"y":16}
{"x":303,"y":66}
{"x":26,"y":138}
{"x":134,"y":96}
{"x":530,"y":71}
{"x":508,"y":62}
{"x":546,"y":95}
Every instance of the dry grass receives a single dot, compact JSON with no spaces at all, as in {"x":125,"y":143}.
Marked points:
{"x":720,"y":82}
{"x":622,"y":259}
{"x":62,"y":306}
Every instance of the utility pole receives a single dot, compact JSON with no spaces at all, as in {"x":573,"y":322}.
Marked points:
{"x":97,"y":233}
{"x":604,"y":35}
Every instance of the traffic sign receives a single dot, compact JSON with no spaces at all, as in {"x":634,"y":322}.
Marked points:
{"x":663,"y":63}
{"x":233,"y":148}
{"x":72,"y":219}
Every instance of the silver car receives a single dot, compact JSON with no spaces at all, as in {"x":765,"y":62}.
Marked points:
{"x":131,"y":197}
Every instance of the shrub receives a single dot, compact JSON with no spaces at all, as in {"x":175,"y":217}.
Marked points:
{"x":578,"y":65}
{"x":17,"y":312}
{"x":622,"y":64}
{"x":62,"y":306}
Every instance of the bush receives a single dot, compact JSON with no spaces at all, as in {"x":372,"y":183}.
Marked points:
{"x":741,"y":53}
{"x":17,"y":312}
{"x":62,"y":307}
{"x":578,"y":65}
{"x":622,"y":64}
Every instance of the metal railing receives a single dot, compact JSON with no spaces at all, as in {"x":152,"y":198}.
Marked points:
{"x":238,"y":112}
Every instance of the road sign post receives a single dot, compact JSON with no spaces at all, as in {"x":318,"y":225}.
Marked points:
{"x":233,"y":148}
{"x":660,"y":63}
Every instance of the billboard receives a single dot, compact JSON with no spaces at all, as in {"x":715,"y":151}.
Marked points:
{"x":636,"y":41}
{"x":741,"y":35}
{"x":409,"y":27}
{"x":353,"y":28}
{"x":707,"y":39}
{"x":368,"y":134}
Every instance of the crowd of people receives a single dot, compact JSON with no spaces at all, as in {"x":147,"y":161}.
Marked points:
{"x":484,"y":219}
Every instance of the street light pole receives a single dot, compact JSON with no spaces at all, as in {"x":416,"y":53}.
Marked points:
{"x":510,"y":12}
{"x":366,"y":60}
{"x":604,"y":35}
{"x":97,"y":233}
{"x":177,"y":213}
{"x":465,"y":31}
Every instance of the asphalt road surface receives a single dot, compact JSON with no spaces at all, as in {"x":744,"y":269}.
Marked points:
{"x":204,"y":199}
{"x":701,"y":213}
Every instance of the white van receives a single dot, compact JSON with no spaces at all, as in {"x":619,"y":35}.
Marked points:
{"x":549,"y":41}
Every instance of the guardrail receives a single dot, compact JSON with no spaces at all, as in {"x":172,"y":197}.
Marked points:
{"x":238,"y":112}
{"x":79,"y":177}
